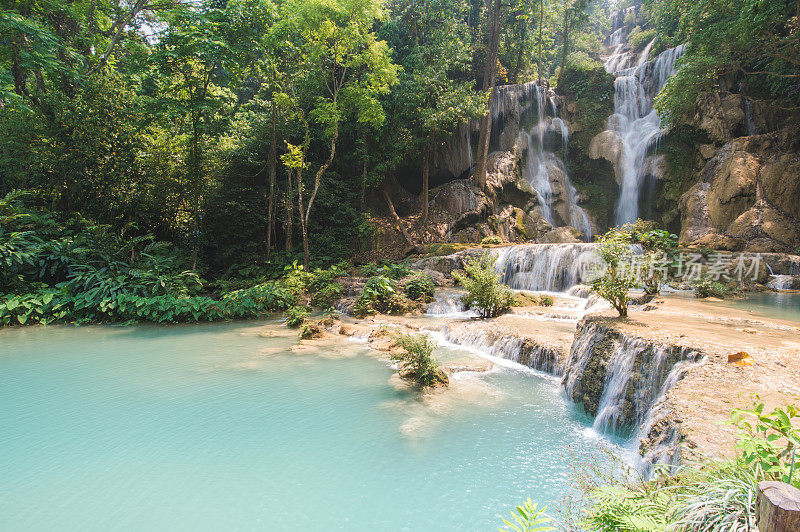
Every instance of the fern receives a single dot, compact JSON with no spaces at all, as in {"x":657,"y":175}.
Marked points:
{"x":528,"y":518}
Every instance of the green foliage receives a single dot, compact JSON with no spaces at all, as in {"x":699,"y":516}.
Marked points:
{"x":718,"y":497}
{"x":485,"y":292}
{"x":491,"y":240}
{"x":416,"y":358}
{"x":615,"y":277}
{"x":420,"y":287}
{"x":395,"y":270}
{"x":528,"y":518}
{"x":640,"y":508}
{"x":750,"y":38}
{"x":296,"y":316}
{"x":546,"y":300}
{"x":708,"y":287}
{"x":380,"y":295}
{"x":639,"y":38}
{"x":769,"y":441}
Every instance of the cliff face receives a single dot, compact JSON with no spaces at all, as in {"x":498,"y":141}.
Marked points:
{"x":747,"y":194}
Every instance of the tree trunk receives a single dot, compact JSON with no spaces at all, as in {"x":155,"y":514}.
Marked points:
{"x":488,"y":84}
{"x":271,"y":200}
{"x":426,"y":156}
{"x":289,"y":212}
{"x":303,"y":217}
{"x":778,"y":507}
{"x":398,"y":222}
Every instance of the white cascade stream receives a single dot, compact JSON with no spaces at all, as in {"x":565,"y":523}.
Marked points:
{"x":542,"y":168}
{"x":635,"y":121}
{"x":542,"y":267}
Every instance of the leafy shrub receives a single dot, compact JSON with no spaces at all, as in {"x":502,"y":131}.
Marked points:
{"x":416,"y":359}
{"x":309,"y":331}
{"x":708,"y":287}
{"x":769,"y":441}
{"x":485,"y":292}
{"x":295,"y":316}
{"x":529,"y":518}
{"x":639,"y":38}
{"x":420,"y":287}
{"x":491,"y":240}
{"x":396,"y":271}
{"x":546,"y":301}
{"x":615,"y":277}
{"x":370,"y":269}
{"x":375,"y":296}
{"x":326,"y":296}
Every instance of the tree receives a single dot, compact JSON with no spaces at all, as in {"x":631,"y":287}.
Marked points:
{"x":755,"y":40}
{"x":489,"y":76}
{"x":614,"y":278}
{"x":190,"y":56}
{"x":485,"y":292}
{"x":340,"y":67}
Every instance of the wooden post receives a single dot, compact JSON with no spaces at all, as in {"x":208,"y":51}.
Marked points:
{"x":778,"y":506}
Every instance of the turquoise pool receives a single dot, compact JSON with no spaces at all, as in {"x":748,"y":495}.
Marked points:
{"x":222,"y":427}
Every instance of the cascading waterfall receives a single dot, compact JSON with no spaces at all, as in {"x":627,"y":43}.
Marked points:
{"x":543,"y":167}
{"x":448,"y":303}
{"x":636,"y":122}
{"x":506,"y":346}
{"x":544,"y":267}
{"x":638,"y":374}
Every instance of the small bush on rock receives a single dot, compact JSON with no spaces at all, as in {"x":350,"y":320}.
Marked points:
{"x":491,"y":240}
{"x":416,"y":360}
{"x":420,"y":287}
{"x":485,"y":292}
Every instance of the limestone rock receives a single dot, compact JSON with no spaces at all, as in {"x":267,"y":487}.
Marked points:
{"x":720,"y":115}
{"x":561,"y":235}
{"x":733,"y":187}
{"x":748,"y":197}
{"x":607,"y":145}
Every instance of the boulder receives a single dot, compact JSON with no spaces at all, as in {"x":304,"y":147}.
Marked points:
{"x":607,"y":145}
{"x":733,"y":187}
{"x":780,"y":182}
{"x":721,"y":115}
{"x":748,"y":197}
{"x":561,"y":235}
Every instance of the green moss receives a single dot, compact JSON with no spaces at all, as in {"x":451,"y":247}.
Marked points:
{"x":442,"y":249}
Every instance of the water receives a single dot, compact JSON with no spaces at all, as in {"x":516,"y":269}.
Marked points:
{"x":543,"y":267}
{"x":635,"y":121}
{"x":212,"y":427}
{"x":543,"y":169}
{"x":778,"y":305}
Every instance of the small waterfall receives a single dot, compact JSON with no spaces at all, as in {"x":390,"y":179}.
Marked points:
{"x":636,"y":375}
{"x":448,"y":303}
{"x":748,"y":117}
{"x":781,"y":282}
{"x":524,"y":351}
{"x":541,"y":267}
{"x":636,"y":122}
{"x":645,"y":53}
{"x":543,"y":168}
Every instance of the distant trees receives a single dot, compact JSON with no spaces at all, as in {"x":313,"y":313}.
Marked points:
{"x":756,"y":41}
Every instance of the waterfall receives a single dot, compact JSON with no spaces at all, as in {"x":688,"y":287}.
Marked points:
{"x":542,"y":267}
{"x":624,"y":380}
{"x":781,"y":282}
{"x":524,"y":351}
{"x":448,"y":303}
{"x":542,"y":168}
{"x":636,"y":122}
